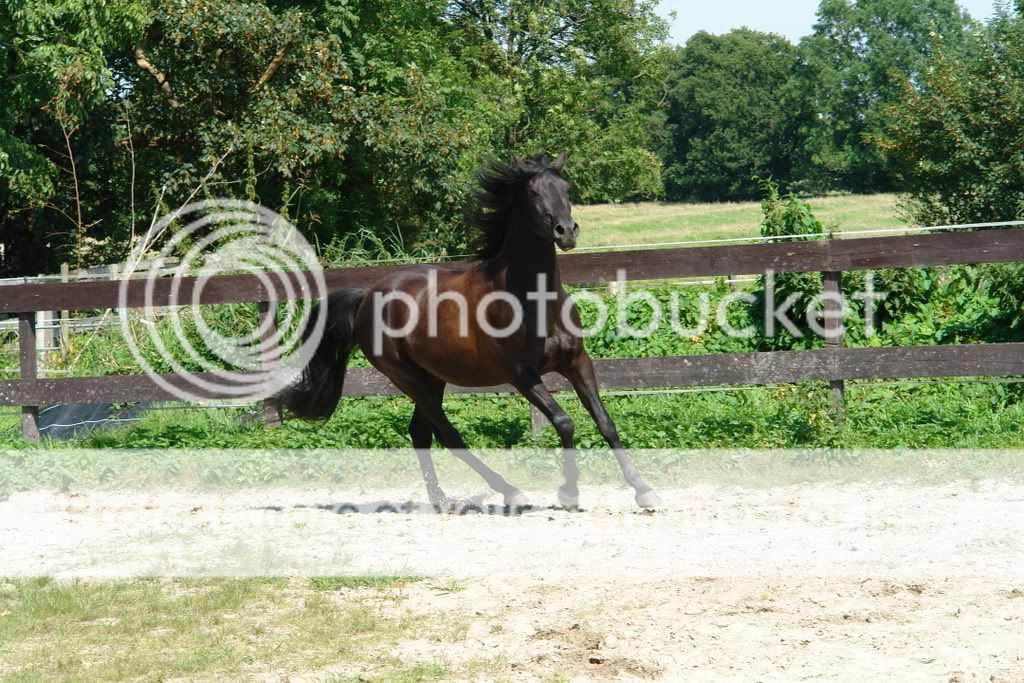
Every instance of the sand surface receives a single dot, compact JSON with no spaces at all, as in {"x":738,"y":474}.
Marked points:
{"x":808,"y":582}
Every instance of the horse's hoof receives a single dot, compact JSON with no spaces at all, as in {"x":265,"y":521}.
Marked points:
{"x":517,"y":500}
{"x":441,"y":502}
{"x":648,"y":500}
{"x":567,"y":501}
{"x":444,"y":505}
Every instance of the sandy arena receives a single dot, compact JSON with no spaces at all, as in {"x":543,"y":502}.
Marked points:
{"x":808,"y":582}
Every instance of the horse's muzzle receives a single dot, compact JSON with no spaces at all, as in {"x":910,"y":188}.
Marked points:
{"x":566,"y":242}
{"x":566,"y":238}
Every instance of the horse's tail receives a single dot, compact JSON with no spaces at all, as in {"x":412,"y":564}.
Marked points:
{"x":315,"y":395}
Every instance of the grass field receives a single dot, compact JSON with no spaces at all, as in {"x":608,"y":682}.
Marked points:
{"x":619,"y":224}
{"x":213,"y":629}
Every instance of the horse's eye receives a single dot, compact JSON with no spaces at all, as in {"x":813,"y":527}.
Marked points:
{"x":534,"y":194}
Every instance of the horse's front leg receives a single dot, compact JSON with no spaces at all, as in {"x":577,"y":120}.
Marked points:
{"x":530,"y":385}
{"x":583,"y":379}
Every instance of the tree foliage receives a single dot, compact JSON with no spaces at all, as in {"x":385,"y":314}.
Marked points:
{"x":354,"y":119}
{"x":736,"y":111}
{"x":54,"y":74}
{"x":956,"y":138}
{"x":584,"y":76}
{"x":860,"y":53}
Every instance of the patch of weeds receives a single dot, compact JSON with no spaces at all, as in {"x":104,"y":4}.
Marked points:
{"x":422,"y":672}
{"x":449,"y":586}
{"x":337,"y":583}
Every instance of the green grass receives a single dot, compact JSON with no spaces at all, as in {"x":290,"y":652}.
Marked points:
{"x":227,"y":453}
{"x":880,"y":415}
{"x":947,"y":414}
{"x":9,"y":420}
{"x":651,"y":222}
{"x":209,"y":629}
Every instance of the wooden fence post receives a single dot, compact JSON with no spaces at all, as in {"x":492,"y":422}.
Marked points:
{"x":537,"y":419}
{"x":271,"y":406}
{"x":44,"y":334}
{"x":65,"y":317}
{"x":29,"y":370}
{"x":833,"y":292}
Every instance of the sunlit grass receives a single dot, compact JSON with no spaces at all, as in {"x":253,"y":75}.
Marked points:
{"x":619,"y":224}
{"x":209,"y":629}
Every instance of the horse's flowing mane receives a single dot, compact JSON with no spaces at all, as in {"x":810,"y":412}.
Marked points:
{"x":499,"y":182}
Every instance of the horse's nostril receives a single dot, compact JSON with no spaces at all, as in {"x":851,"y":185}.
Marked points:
{"x":559,"y":230}
{"x":576,"y":228}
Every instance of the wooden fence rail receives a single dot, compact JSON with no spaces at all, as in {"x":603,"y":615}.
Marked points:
{"x":837,"y":255}
{"x":768,"y":367}
{"x":833,"y":363}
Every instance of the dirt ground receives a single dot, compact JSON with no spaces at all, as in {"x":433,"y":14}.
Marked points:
{"x":808,"y":582}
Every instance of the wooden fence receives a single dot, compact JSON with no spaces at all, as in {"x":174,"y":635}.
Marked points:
{"x":834,"y":363}
{"x":52,"y":326}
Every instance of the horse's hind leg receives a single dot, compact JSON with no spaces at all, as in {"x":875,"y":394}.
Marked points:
{"x":418,"y":385}
{"x":452,"y":440}
{"x":422,"y":433}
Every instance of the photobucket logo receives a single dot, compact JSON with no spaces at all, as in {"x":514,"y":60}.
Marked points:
{"x":501,"y":313}
{"x":222,"y":237}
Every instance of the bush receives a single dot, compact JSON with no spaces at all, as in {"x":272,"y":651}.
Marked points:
{"x":789,"y":217}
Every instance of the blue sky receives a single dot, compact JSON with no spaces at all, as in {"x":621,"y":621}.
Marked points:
{"x":791,"y":18}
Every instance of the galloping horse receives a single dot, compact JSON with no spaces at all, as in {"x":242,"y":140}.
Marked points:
{"x":515,"y":288}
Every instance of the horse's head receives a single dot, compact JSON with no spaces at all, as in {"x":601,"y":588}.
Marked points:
{"x":549,"y":211}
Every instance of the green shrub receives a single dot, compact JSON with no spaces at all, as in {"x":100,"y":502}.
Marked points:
{"x":791,"y":218}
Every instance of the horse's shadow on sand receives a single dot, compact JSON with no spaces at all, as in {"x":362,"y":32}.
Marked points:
{"x":473,"y":505}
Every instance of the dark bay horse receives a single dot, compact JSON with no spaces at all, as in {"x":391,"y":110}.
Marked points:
{"x":503,"y":318}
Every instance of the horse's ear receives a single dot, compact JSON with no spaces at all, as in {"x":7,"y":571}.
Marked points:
{"x":560,"y":162}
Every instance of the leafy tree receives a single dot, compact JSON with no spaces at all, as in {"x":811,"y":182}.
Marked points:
{"x":860,"y":53}
{"x":584,"y":76}
{"x":426,"y":116}
{"x":134,"y":108}
{"x":355,"y":119}
{"x":735,"y":111}
{"x":53,"y":74}
{"x":956,"y":137}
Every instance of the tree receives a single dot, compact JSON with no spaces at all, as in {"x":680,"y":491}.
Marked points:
{"x":312,"y":109}
{"x":735,"y":111}
{"x":134,"y":108}
{"x":584,"y":76}
{"x":956,"y":137}
{"x":359,"y":121}
{"x":860,"y":53}
{"x":53,"y":75}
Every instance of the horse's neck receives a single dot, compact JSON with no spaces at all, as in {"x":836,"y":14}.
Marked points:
{"x":530,"y":261}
